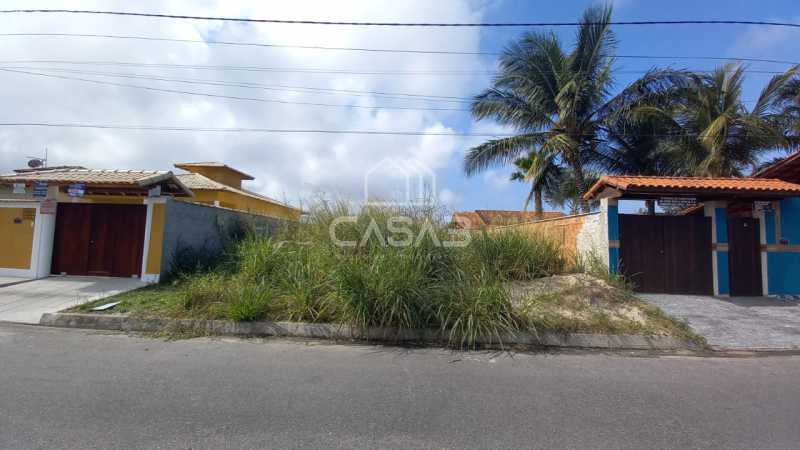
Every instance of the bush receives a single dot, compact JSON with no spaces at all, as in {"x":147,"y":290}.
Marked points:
{"x":249,"y":302}
{"x":386,"y":289}
{"x":513,"y":255}
{"x":303,"y":275}
{"x":478,"y":308}
{"x":200,"y":293}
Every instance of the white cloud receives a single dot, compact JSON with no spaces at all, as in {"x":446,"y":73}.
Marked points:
{"x":285,"y":165}
{"x":497,"y":179}
{"x":757,"y":39}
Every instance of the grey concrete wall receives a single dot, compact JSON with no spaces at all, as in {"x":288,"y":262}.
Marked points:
{"x":206,"y":228}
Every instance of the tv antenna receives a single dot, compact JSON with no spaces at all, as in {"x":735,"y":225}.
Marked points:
{"x":35,"y":162}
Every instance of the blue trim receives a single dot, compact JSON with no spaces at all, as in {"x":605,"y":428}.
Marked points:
{"x":721,"y":224}
{"x":769,"y":227}
{"x":723,"y":278}
{"x":790,"y":220}
{"x":613,"y":260}
{"x":613,"y":223}
{"x":782,"y":276}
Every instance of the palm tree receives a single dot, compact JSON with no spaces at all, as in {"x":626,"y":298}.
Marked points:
{"x":558,"y":102}
{"x":542,"y":173}
{"x":719,"y":136}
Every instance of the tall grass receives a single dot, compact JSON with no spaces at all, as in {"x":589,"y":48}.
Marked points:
{"x":394,"y":272}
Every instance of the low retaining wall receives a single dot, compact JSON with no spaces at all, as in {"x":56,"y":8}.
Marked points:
{"x":578,"y":234}
{"x":346,"y":332}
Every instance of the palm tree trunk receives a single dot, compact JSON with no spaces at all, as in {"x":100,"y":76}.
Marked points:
{"x":580,"y":182}
{"x":538,"y":207}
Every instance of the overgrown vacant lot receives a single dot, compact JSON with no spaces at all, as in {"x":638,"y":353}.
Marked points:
{"x":398,"y":268}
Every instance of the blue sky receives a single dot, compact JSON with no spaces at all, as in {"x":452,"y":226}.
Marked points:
{"x":689,"y":40}
{"x":297,"y":167}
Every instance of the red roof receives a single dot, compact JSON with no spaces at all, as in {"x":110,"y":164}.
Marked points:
{"x":786,"y":169}
{"x":692,"y":185}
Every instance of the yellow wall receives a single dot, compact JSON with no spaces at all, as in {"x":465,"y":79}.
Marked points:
{"x":16,"y":239}
{"x":156,"y":245}
{"x":240,"y":202}
{"x":220,"y":174}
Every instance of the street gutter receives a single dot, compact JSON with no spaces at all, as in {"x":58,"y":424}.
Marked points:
{"x":121,"y":322}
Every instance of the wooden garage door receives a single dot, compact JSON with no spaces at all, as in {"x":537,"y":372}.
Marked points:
{"x":99,"y":240}
{"x":667,"y":254}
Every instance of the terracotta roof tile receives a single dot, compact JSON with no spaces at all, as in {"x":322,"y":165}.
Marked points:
{"x":197,"y":182}
{"x":692,"y":184}
{"x":786,"y":169}
{"x":91,"y":176}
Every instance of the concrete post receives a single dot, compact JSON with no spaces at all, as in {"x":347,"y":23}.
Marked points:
{"x":609,"y":213}
{"x":718,"y":212}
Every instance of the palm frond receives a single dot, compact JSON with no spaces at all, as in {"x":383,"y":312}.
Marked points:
{"x":500,"y":151}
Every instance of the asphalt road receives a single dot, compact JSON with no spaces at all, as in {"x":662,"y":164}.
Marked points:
{"x":80,"y":389}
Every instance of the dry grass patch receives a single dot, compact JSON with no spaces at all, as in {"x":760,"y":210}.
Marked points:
{"x":581,"y":303}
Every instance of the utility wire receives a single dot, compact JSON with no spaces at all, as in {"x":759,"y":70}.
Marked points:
{"x":324,"y":71}
{"x":378,"y":50}
{"x":298,"y":131}
{"x":244,"y":130}
{"x":250,"y":85}
{"x":279,"y":88}
{"x":231,"y":97}
{"x":397,"y":24}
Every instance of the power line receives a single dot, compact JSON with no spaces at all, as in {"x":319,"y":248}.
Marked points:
{"x":300,"y":131}
{"x":398,"y":24}
{"x":243,"y":130}
{"x":230,"y":97}
{"x":325,"y":71}
{"x":377,"y":50}
{"x":280,"y":88}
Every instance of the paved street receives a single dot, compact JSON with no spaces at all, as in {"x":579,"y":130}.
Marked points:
{"x":738,"y":322}
{"x":81,"y":389}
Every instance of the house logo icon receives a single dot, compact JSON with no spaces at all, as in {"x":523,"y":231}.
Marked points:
{"x":399,"y":182}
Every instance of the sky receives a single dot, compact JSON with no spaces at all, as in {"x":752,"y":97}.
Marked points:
{"x":298,"y":167}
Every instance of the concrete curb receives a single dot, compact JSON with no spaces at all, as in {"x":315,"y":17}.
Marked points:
{"x":346,"y":332}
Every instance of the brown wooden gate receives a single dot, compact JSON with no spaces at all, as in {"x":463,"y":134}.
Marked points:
{"x":744,"y":257}
{"x":667,"y":254}
{"x":102,"y":240}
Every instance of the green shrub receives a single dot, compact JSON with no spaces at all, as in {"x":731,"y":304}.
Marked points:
{"x":302,"y":274}
{"x":475,"y":309}
{"x":306,"y":286}
{"x":200,"y":293}
{"x":258,"y":258}
{"x":513,"y":255}
{"x":386,"y":289}
{"x":249,"y":302}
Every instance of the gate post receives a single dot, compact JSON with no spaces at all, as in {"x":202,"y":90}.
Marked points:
{"x":717,"y":211}
{"x":610,"y":215}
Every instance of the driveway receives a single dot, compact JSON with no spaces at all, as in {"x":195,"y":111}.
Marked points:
{"x":756,"y":323}
{"x":26,"y":302}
